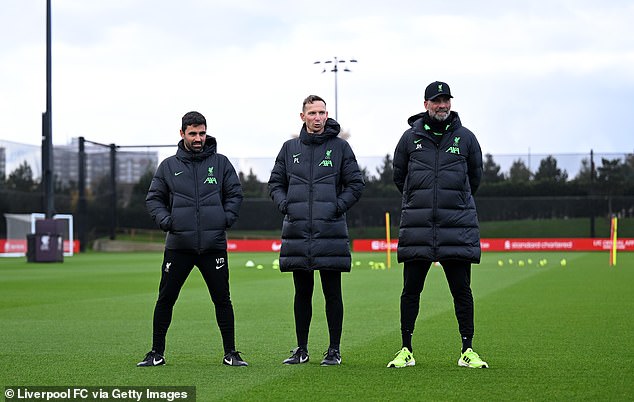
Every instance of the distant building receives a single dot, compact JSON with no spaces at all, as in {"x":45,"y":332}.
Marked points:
{"x":131,"y":165}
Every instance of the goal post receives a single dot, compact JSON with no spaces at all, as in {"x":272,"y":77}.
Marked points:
{"x":21,"y":225}
{"x":67,"y":233}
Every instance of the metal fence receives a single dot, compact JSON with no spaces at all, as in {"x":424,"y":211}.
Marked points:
{"x":109,"y":208}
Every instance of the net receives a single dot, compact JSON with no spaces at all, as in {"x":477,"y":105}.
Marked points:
{"x":21,"y":225}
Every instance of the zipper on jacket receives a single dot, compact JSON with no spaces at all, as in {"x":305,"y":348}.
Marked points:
{"x":435,"y":202}
{"x":310,"y":205}
{"x":196,"y":196}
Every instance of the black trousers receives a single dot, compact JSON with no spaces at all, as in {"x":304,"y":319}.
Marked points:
{"x":174,"y":271}
{"x":458,"y":274}
{"x":304,"y":282}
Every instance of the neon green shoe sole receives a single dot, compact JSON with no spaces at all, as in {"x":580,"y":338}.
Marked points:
{"x":472,"y":360}
{"x":404,"y":358}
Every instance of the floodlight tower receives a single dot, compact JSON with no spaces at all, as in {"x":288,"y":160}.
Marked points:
{"x":335,"y":62}
{"x":47,"y":128}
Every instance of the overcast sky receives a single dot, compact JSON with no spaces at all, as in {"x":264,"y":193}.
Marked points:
{"x":553,"y":76}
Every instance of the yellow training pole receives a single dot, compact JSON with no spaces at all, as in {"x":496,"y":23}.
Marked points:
{"x":388,"y":240}
{"x":611,"y":235}
{"x":614,"y":237}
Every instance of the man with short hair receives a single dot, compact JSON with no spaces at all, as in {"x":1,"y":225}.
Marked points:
{"x":314,"y":181}
{"x":194,"y":196}
{"x":437,"y":168}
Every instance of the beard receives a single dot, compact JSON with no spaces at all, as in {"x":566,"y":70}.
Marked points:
{"x":440,"y":116}
{"x":198,"y":148}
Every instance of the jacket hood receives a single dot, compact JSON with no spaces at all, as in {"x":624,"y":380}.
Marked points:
{"x":208,"y":149}
{"x":331,"y":130}
{"x":417,"y":121}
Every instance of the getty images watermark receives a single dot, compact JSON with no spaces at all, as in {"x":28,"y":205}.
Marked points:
{"x":78,"y":393}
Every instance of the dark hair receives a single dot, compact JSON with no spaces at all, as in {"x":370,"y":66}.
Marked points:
{"x":193,"y":119}
{"x":311,"y":99}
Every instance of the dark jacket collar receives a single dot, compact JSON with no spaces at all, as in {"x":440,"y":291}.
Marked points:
{"x":331,"y":130}
{"x":422,"y":122}
{"x":208,"y":149}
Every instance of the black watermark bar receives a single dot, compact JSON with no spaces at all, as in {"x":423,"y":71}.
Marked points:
{"x":92,"y":393}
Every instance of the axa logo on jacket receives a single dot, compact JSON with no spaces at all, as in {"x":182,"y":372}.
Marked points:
{"x":210,"y":176}
{"x":326,"y":161}
{"x":454,"y":149}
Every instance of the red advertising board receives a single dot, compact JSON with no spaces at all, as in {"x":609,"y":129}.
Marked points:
{"x":18,"y":246}
{"x":511,"y":244}
{"x":519,"y":244}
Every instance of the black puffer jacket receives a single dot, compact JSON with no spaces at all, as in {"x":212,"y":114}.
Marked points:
{"x":438,"y":181}
{"x":314,"y":181}
{"x":195,"y":197}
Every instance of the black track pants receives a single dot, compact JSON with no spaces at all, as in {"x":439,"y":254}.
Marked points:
{"x":458,"y":274}
{"x":174,"y":271}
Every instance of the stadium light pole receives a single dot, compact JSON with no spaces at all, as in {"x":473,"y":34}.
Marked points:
{"x":335,"y":69}
{"x":47,"y":128}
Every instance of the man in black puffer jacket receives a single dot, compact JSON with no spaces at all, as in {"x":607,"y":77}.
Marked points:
{"x":437,"y":168}
{"x":314,"y":181}
{"x":194,"y":197}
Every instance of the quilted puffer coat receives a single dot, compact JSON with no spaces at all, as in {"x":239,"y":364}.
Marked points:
{"x":438,"y":176}
{"x":314,"y":181}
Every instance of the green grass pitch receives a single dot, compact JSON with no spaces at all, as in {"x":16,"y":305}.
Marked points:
{"x":548,"y":332}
